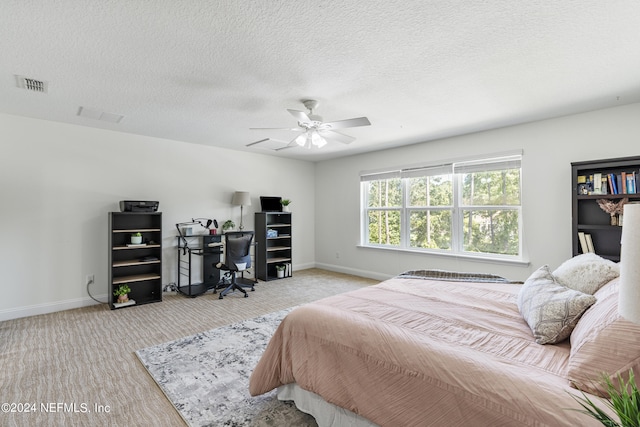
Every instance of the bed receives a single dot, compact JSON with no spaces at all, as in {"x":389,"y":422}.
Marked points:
{"x":423,"y":349}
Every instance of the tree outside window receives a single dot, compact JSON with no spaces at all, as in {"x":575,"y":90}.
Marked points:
{"x":466,"y":207}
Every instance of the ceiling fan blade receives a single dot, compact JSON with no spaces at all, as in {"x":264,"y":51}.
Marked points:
{"x":292,"y":144}
{"x":349,"y":123}
{"x":269,"y":143}
{"x":300,"y":116}
{"x":336,"y":136}
{"x":285,"y":147}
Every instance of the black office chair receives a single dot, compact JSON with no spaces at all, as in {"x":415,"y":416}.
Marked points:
{"x":237,"y":258}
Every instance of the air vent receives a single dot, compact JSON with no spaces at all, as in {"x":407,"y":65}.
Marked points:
{"x":90,"y":113}
{"x":32,"y":84}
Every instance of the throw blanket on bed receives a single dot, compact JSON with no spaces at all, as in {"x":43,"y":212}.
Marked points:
{"x":415,"y":352}
{"x":453,"y":276}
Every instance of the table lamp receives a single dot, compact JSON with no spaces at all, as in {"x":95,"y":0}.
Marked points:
{"x":242,"y":199}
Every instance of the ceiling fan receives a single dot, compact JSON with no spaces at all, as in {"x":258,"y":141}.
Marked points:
{"x":315,"y":132}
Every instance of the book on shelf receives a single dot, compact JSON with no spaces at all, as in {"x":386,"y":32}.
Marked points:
{"x":583,"y":242}
{"x":124,"y":304}
{"x":590,"y":247}
{"x":597,"y":183}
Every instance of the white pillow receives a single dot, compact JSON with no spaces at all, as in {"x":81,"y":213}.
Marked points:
{"x":586,"y":273}
{"x":550,"y":309}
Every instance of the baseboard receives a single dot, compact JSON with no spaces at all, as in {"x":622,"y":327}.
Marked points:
{"x":354,"y":271}
{"x":50,"y":307}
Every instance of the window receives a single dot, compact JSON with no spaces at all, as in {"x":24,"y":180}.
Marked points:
{"x":471,"y":207}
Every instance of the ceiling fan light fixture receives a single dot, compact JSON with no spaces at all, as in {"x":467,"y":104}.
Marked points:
{"x":301,"y":139}
{"x":317,"y":140}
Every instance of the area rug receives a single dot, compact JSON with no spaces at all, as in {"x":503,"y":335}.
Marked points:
{"x":206,"y":376}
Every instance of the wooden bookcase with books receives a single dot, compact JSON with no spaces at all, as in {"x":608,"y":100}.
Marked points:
{"x":608,"y":182}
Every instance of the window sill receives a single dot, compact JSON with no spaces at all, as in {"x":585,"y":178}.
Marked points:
{"x":465,"y":256}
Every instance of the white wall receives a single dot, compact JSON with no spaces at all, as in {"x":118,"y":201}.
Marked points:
{"x":59,"y":181}
{"x":549,"y":148}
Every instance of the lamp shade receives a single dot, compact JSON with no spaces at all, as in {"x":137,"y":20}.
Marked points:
{"x":629,"y":296}
{"x":241,"y":198}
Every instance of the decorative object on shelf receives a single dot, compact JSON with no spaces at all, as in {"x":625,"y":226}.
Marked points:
{"x":614,"y":209}
{"x":629,"y":296}
{"x":280,"y":271}
{"x":228,"y":225}
{"x":122,"y":292}
{"x":136,"y":238}
{"x":242,"y":199}
{"x":285,"y":205}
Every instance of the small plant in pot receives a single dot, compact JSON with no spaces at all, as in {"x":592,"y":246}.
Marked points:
{"x":280,"y":270}
{"x":285,"y":204}
{"x":228,"y":225}
{"x":136,"y":238}
{"x":122,"y":292}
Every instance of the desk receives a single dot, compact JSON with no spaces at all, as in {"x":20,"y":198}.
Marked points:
{"x":209,"y":247}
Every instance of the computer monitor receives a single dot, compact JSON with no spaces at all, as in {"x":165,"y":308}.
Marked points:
{"x":270,"y":204}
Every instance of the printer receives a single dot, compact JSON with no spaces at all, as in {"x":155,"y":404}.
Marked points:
{"x":138,"y":206}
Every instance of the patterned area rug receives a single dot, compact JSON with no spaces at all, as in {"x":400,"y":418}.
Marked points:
{"x":206,"y":376}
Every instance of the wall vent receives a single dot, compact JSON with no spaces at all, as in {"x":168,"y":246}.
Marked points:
{"x":90,"y":113}
{"x":32,"y":85}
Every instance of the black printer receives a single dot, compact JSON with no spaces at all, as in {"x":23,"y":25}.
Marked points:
{"x":138,"y":206}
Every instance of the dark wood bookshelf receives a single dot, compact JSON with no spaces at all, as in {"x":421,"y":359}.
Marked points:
{"x":587,"y":216}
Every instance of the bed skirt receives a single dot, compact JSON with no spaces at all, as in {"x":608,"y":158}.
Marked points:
{"x":325,"y":413}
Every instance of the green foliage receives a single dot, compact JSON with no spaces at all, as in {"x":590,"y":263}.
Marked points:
{"x":625,"y":402}
{"x":489,"y":211}
{"x":285,"y":202}
{"x":136,"y":235}
{"x":228,"y":225}
{"x":122,"y":290}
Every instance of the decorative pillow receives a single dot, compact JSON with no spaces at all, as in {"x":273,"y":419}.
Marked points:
{"x":603,"y":342}
{"x":550,"y":309}
{"x":586,"y":273}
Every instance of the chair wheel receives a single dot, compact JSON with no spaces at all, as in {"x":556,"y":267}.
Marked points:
{"x":246,"y":295}
{"x":220,"y":297}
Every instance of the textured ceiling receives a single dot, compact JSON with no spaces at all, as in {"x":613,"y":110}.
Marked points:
{"x":207,"y":71}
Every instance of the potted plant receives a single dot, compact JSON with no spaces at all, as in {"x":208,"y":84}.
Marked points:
{"x":228,"y":225}
{"x":624,"y":402}
{"x":136,"y":238}
{"x":285,"y":204}
{"x":280,"y":271}
{"x":122,"y":292}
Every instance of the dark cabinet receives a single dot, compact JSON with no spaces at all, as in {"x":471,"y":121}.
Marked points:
{"x":593,"y":229}
{"x":137,"y":265}
{"x":273,"y":249}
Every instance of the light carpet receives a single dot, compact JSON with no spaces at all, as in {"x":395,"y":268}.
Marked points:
{"x":206,"y":376}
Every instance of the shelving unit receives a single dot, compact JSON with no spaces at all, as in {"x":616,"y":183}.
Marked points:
{"x":587,"y":216}
{"x":209,"y":248}
{"x":139,"y":266}
{"x":273,"y":237}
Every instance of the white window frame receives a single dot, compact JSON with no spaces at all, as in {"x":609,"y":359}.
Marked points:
{"x":457,"y":168}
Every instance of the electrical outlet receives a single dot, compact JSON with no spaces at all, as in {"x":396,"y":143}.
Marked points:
{"x":90,"y":279}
